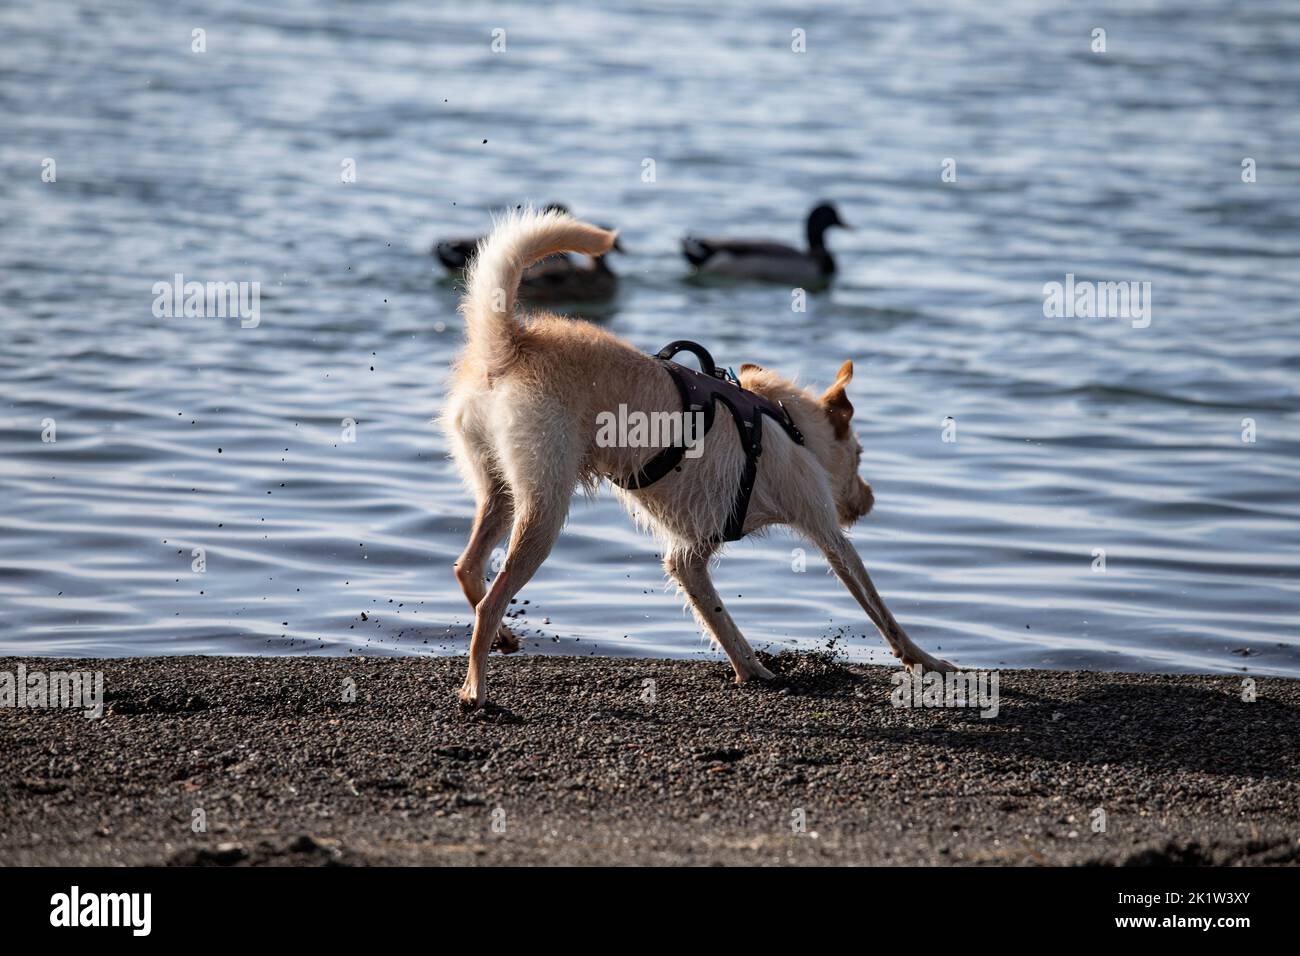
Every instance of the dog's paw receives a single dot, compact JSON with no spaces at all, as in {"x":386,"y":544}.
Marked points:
{"x":506,"y":641}
{"x":759,"y":672}
{"x":471,"y":698}
{"x":926,"y":663}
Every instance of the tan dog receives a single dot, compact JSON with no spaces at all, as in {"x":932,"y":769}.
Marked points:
{"x":522,"y":419}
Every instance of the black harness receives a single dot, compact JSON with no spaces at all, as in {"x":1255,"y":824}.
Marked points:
{"x":699,"y":392}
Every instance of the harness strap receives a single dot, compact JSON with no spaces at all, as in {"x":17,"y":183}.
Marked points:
{"x":668,"y":458}
{"x":699,"y":391}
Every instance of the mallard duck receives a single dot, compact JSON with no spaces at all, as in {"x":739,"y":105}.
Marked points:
{"x":769,"y":261}
{"x":455,"y":254}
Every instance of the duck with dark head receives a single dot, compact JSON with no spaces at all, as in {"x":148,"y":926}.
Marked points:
{"x":769,"y":261}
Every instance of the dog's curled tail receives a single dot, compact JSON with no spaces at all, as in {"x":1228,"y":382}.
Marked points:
{"x":492,"y":285}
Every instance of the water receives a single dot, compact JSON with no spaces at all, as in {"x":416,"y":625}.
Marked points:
{"x":1072,"y":434}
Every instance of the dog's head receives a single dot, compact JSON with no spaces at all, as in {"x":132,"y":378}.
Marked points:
{"x":827,"y":424}
{"x":853,"y":496}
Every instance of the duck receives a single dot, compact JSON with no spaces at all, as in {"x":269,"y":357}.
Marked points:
{"x":769,"y":261}
{"x":455,"y":254}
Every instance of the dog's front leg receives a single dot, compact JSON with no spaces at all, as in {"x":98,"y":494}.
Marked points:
{"x":691,"y":571}
{"x":846,"y":564}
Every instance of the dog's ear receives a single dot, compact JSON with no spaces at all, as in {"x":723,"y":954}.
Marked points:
{"x":750,"y":367}
{"x":836,"y":402}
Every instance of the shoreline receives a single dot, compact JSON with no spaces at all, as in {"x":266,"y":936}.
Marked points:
{"x":604,"y":760}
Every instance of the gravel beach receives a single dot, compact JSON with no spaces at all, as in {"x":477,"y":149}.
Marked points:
{"x":239,"y":761}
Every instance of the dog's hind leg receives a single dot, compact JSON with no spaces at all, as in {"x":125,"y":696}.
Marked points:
{"x":491,"y":519}
{"x":690,"y":569}
{"x":538,"y":520}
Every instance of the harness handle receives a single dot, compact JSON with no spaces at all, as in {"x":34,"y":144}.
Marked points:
{"x":695,"y":348}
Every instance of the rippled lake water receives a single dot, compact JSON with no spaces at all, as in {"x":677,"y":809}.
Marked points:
{"x":1072,"y":434}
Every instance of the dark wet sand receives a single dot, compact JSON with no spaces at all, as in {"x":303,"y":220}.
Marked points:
{"x":576,"y":767}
